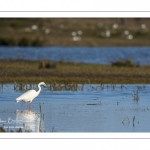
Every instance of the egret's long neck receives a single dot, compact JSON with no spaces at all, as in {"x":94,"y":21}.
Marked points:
{"x":39,"y":90}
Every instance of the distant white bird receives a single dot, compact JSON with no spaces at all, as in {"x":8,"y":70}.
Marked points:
{"x":30,"y":95}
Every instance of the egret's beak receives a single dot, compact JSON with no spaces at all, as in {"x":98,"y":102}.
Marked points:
{"x":45,"y":85}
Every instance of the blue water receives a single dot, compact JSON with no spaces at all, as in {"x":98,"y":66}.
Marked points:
{"x":99,"y":55}
{"x":91,"y":110}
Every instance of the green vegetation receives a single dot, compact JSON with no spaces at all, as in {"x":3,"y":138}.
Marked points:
{"x":70,"y":73}
{"x":74,"y":31}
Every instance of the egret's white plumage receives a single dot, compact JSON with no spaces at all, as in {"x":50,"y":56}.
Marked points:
{"x":30,"y":95}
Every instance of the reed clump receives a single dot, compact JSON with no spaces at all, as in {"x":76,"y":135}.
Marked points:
{"x":135,"y":95}
{"x":64,"y":87}
{"x":126,"y":63}
{"x":47,"y":65}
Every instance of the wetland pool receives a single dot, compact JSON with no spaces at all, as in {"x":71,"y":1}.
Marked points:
{"x":94,"y":55}
{"x":95,"y":108}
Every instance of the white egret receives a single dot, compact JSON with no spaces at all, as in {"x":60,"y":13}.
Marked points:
{"x":30,"y":95}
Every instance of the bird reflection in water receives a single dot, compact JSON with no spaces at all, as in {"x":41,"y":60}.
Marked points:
{"x":32,"y":121}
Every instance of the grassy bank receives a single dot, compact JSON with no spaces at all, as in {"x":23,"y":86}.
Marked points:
{"x":65,"y":72}
{"x":74,"y":31}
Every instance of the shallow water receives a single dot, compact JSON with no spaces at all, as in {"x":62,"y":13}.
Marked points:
{"x":99,"y":55}
{"x":93,"y":109}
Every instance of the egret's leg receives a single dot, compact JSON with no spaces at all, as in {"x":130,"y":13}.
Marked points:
{"x":30,"y":105}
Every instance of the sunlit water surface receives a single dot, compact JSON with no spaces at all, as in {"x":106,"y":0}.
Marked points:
{"x":93,"y":109}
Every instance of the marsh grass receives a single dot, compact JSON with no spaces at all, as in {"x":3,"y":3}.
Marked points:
{"x":18,"y":31}
{"x":24,"y":86}
{"x":60,"y":87}
{"x":135,"y":95}
{"x":141,"y":87}
{"x":52,"y":86}
{"x":26,"y":71}
{"x":40,"y":107}
{"x":133,"y":120}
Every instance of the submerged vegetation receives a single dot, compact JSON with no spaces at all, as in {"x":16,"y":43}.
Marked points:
{"x":25,"y":71}
{"x":53,"y":86}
